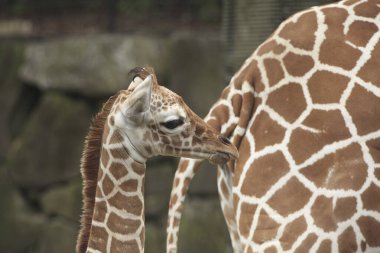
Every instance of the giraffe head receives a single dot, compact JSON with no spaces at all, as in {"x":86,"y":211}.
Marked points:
{"x":156,"y":121}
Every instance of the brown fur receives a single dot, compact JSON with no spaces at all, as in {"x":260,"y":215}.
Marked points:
{"x":89,"y":169}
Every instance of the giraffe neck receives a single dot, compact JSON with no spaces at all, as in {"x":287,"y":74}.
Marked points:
{"x":118,"y":217}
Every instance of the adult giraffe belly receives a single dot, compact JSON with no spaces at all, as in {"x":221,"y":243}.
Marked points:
{"x":310,"y":183}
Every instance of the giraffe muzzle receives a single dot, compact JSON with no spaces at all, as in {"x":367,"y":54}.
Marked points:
{"x":219,"y":158}
{"x":226,"y":152}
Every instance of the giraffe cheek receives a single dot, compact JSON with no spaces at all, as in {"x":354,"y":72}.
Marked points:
{"x":120,"y":121}
{"x":219,"y":158}
{"x":149,"y":150}
{"x":176,"y":141}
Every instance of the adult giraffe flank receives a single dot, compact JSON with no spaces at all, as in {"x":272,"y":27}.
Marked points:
{"x":304,"y":113}
{"x":135,"y":124}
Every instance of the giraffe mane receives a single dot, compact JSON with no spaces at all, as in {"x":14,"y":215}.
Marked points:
{"x":89,"y":168}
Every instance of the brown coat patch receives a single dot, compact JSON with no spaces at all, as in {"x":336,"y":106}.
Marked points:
{"x":290,"y":198}
{"x":107,"y":185}
{"x":325,"y":246}
{"x":307,"y":243}
{"x":377,"y":174}
{"x":326,"y":87}
{"x":104,"y":158}
{"x":368,"y":9}
{"x":345,"y":208}
{"x":364,"y":108}
{"x":98,"y":239}
{"x":298,"y":65}
{"x":246,"y":217}
{"x":374,"y":149}
{"x":266,"y":131}
{"x":119,"y":153}
{"x":118,"y":170}
{"x":100,"y":211}
{"x":129,"y":185}
{"x":128,"y":246}
{"x":132,"y":205}
{"x":271,"y":249}
{"x":266,"y":228}
{"x":123,"y":226}
{"x":306,"y":25}
{"x":322,"y":213}
{"x":222,"y":114}
{"x":347,"y":241}
{"x":263,"y":173}
{"x":246,"y":75}
{"x":270,"y":46}
{"x":343,"y":169}
{"x":236,"y":103}
{"x":361,"y":32}
{"x":138,"y":168}
{"x":292,"y":231}
{"x":371,"y":198}
{"x":370,"y":228}
{"x":288,"y":101}
{"x":334,"y":49}
{"x":183,"y":165}
{"x":370,"y":71}
{"x":116,"y":137}
{"x":274,"y":70}
{"x":243,"y":157}
{"x":332,"y":128}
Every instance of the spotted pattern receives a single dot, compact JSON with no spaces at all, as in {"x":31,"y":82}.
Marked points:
{"x":118,"y":221}
{"x":307,"y":178}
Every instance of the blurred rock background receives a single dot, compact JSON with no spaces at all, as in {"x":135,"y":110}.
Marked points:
{"x":60,"y":60}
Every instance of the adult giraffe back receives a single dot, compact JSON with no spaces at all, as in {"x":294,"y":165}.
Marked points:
{"x":304,"y":112}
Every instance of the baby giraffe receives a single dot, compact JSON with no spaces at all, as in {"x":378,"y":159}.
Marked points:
{"x":133,"y":125}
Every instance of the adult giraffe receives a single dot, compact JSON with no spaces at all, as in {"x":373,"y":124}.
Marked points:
{"x":135,"y":124}
{"x":304,"y":112}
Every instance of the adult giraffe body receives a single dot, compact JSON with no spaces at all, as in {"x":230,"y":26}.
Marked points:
{"x":304,"y":112}
{"x":135,"y":124}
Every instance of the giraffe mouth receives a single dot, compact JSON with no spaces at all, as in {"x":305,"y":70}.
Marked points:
{"x":220,"y":157}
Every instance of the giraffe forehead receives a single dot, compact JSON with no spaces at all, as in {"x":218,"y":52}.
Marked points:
{"x":164,"y":100}
{"x":164,"y":104}
{"x":160,"y":93}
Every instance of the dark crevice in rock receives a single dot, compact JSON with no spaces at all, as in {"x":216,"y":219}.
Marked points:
{"x":26,"y":102}
{"x":31,"y":197}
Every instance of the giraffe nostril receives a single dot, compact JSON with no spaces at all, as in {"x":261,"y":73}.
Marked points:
{"x":224,"y":140}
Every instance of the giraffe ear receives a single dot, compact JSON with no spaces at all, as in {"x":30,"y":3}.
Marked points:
{"x":139,"y":101}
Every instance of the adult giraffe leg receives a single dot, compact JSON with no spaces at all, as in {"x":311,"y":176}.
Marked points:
{"x":230,"y":116}
{"x":184,"y":174}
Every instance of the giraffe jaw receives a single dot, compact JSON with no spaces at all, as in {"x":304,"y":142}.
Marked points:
{"x":215,"y":157}
{"x":221,"y":157}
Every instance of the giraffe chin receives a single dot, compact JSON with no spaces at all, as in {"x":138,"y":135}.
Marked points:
{"x":219,"y":158}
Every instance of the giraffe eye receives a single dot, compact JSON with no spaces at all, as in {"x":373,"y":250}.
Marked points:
{"x":172,"y":124}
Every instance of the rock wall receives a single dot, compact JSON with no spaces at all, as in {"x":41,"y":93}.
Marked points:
{"x":49,"y":91}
